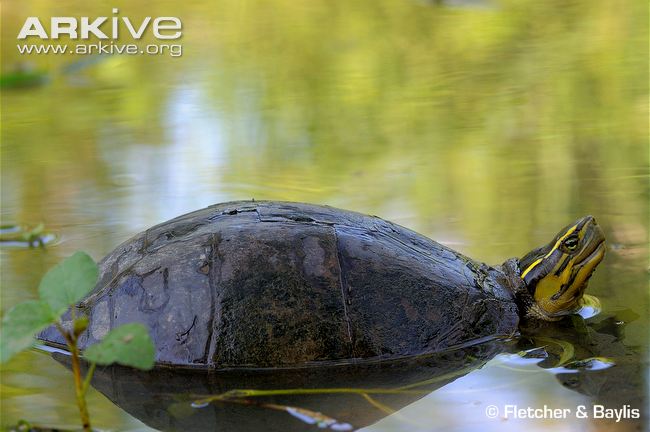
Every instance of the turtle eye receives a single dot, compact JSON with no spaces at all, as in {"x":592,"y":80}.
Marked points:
{"x":571,"y":243}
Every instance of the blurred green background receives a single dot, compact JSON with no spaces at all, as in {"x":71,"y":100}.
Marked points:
{"x":486,"y":125}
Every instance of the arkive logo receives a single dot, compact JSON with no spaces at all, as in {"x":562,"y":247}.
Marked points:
{"x":102,"y":28}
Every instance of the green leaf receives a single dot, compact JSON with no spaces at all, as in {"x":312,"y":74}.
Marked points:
{"x":20,"y":325}
{"x":128,"y":345}
{"x":68,"y":282}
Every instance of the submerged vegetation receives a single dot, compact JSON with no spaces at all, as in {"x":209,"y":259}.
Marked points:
{"x":24,"y":236}
{"x":60,"y":289}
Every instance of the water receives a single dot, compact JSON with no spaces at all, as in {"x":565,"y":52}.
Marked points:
{"x":484,"y":125}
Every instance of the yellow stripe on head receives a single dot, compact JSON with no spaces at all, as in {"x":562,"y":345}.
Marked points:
{"x":556,"y":274}
{"x":553,"y":249}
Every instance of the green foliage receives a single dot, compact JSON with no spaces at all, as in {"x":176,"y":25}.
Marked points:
{"x":23,"y":78}
{"x":128,"y":345}
{"x":68,"y":282}
{"x":20,"y":324}
{"x":61,"y":288}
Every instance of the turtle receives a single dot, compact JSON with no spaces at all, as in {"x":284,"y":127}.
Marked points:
{"x":265,"y":284}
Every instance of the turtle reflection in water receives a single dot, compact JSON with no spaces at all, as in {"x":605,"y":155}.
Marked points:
{"x":288,"y":285}
{"x":354,"y":395}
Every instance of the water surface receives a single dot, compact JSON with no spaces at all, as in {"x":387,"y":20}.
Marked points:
{"x":484,"y":125}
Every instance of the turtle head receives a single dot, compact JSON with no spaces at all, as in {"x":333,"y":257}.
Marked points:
{"x":556,"y":275}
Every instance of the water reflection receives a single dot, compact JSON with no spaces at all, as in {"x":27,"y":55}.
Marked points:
{"x":184,"y":175}
{"x":525,"y":378}
{"x":603,"y":366}
{"x":346,"y":397}
{"x":280,"y":400}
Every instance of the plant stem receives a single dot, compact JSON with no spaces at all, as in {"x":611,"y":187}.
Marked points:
{"x":80,"y":385}
{"x":89,"y":376}
{"x":246,"y":393}
{"x":79,"y":389}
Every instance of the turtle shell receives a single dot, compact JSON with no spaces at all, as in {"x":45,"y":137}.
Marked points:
{"x":273,"y":284}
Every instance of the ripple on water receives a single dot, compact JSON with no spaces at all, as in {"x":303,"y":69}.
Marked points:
{"x":525,"y":357}
{"x":589,"y":364}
